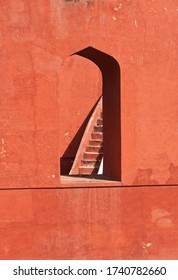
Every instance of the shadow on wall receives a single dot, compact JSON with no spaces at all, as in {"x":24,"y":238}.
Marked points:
{"x":66,"y":161}
{"x":173,"y":178}
{"x":144,"y":176}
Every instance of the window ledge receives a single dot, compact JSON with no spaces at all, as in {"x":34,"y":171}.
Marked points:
{"x":88,"y":181}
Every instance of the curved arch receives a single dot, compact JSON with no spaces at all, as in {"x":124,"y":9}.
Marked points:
{"x":110,"y":70}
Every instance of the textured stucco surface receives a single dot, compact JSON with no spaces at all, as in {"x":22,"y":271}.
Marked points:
{"x":40,"y":85}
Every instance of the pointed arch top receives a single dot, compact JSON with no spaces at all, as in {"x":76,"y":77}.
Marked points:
{"x":101,"y":59}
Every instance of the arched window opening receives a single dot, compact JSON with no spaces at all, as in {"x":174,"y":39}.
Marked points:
{"x":108,"y":126}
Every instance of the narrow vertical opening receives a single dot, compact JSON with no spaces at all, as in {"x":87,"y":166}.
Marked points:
{"x":108,"y":123}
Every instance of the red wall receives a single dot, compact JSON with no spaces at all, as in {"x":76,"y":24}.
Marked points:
{"x":45,"y":96}
{"x":106,"y":223}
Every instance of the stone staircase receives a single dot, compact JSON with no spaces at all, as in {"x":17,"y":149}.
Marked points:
{"x":93,"y":153}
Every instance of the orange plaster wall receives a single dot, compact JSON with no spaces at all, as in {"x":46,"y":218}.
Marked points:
{"x":114,"y":223}
{"x":36,"y":40}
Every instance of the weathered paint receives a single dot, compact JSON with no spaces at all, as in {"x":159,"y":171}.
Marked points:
{"x":106,"y":223}
{"x":41,"y":87}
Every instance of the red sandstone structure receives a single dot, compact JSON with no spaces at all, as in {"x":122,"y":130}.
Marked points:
{"x":57,"y":59}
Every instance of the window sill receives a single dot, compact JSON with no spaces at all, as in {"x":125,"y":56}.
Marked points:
{"x":72,"y":181}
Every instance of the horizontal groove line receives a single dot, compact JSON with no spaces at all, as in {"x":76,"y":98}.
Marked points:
{"x":87,"y":187}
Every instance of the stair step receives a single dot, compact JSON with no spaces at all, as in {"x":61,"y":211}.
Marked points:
{"x":90,"y":162}
{"x":95,"y":149}
{"x":93,"y":152}
{"x":88,"y":170}
{"x":96,"y":142}
{"x":97,"y":135}
{"x":100,"y":121}
{"x":92,"y":155}
{"x":98,"y":128}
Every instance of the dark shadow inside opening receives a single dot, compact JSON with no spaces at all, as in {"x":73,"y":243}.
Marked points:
{"x":110,"y":70}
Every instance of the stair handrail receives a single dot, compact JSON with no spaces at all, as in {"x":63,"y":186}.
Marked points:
{"x":86,"y":137}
